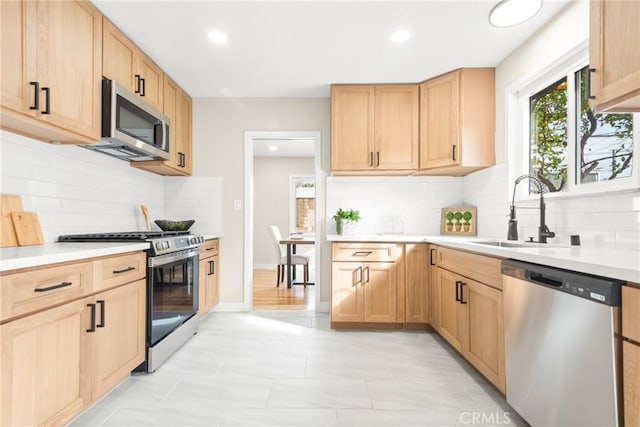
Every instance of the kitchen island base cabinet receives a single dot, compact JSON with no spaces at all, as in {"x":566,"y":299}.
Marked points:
{"x":367,"y":284}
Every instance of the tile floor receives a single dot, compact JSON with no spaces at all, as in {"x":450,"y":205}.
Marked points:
{"x":290,"y":369}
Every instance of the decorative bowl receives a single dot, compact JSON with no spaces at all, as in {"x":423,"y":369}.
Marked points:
{"x":167,"y":225}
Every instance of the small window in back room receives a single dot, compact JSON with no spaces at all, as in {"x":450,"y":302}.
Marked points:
{"x":604,"y":141}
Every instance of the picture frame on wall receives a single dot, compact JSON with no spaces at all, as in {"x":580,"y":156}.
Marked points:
{"x":461,"y":221}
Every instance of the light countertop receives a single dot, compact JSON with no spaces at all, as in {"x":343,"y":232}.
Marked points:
{"x":622,"y":264}
{"x":13,"y":258}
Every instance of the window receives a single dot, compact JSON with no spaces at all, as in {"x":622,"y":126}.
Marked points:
{"x":572,"y":149}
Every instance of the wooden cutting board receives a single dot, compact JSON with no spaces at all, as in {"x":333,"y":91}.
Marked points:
{"x":8,"y":203}
{"x":27,"y":228}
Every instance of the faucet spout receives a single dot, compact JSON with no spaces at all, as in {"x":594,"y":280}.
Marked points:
{"x":543,"y":231}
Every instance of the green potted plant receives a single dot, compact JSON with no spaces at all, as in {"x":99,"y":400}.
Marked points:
{"x":449,"y":221}
{"x":458,"y":218}
{"x":467,"y":221}
{"x":344,"y":218}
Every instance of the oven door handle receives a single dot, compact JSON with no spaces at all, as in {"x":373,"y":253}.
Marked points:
{"x":169,"y":258}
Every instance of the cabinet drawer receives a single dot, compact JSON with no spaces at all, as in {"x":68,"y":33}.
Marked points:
{"x":631,"y":313}
{"x":118,"y":270}
{"x":478,"y":267}
{"x":209,"y":249}
{"x":33,"y":290}
{"x":366,"y":252}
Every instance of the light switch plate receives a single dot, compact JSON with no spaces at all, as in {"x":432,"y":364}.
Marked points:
{"x":237,"y":205}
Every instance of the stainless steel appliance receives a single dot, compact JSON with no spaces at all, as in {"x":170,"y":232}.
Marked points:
{"x":560,"y":345}
{"x":172,"y":288}
{"x":131,"y":129}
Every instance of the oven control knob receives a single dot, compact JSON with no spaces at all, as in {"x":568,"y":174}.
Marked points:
{"x":159,"y":245}
{"x":166,"y":244}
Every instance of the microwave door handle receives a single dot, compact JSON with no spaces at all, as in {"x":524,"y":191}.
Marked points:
{"x":158,"y":135}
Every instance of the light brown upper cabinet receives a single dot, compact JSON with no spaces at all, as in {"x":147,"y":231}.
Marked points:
{"x":614,"y":55}
{"x":374,"y":129}
{"x":457,"y":122}
{"x":177,"y":106}
{"x":129,"y":66}
{"x":51,"y":70}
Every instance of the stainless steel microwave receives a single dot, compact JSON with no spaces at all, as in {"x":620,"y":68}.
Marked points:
{"x":131,"y":129}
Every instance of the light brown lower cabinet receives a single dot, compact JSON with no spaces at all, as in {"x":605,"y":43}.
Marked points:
{"x":416,"y":283}
{"x":208,"y":287}
{"x":44,"y":366}
{"x":433,"y":298}
{"x":69,"y":337}
{"x":364,"y":292}
{"x":631,"y":383}
{"x":118,"y":344}
{"x":471,"y":320}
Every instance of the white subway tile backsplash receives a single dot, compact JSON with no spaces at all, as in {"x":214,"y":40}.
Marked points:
{"x":75,"y":190}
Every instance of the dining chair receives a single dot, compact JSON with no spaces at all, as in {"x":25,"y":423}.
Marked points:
{"x":282,"y":257}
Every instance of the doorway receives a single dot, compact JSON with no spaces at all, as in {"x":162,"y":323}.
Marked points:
{"x":276,"y":164}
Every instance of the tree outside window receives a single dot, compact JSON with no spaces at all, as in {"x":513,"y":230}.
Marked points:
{"x":604,"y":142}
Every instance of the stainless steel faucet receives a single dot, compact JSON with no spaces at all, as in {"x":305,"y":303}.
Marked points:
{"x":543,"y":230}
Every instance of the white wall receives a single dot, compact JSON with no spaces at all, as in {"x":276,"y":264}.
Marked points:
{"x":416,"y":200}
{"x":609,"y":220}
{"x":75,"y":190}
{"x":218,"y":132}
{"x":271,"y":181}
{"x":197,"y":198}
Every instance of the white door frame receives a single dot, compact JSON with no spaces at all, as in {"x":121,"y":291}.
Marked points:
{"x":249,"y":140}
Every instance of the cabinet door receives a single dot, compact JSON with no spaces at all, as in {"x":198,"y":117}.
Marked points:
{"x":417,"y":283}
{"x":452,"y":319}
{"x":170,"y":99}
{"x":44,"y":377}
{"x":439,"y":121}
{"x":118,"y":56}
{"x":69,"y":64}
{"x":396,"y":127}
{"x":485,"y":349}
{"x":347,"y":295}
{"x":208,"y":286}
{"x":213,"y":284}
{"x":118,"y":345}
{"x":352,"y":131}
{"x":183,"y":130}
{"x":614,"y":43}
{"x":433,"y":297}
{"x":203,"y":274}
{"x":380,"y":287}
{"x":17,"y":58}
{"x":151,"y":81}
{"x":631,"y":383}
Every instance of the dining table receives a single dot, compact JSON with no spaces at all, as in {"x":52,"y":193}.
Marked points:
{"x":292,"y":242}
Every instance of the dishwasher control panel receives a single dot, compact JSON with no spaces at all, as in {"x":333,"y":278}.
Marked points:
{"x":596,"y":288}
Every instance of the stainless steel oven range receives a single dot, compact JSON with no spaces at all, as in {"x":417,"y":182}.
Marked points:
{"x":172,"y":288}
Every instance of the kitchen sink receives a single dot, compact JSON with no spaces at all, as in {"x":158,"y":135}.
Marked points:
{"x":504,"y":244}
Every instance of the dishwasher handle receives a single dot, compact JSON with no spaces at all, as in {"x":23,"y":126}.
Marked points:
{"x":544,"y":279}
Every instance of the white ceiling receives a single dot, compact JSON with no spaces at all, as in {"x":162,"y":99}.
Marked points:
{"x":284,"y":148}
{"x":298,"y":48}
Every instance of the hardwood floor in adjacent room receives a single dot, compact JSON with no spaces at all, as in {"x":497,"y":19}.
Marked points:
{"x":266,"y":296}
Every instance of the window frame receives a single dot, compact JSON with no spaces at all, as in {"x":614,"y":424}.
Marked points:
{"x":520,"y":163}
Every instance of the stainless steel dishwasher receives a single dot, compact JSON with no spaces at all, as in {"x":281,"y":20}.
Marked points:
{"x":560,"y":345}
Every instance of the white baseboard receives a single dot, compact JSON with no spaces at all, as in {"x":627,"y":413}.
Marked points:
{"x":264,"y":267}
{"x":322,"y":307}
{"x":229,"y":307}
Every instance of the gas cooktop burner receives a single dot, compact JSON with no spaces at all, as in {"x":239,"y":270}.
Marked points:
{"x":120,"y":236}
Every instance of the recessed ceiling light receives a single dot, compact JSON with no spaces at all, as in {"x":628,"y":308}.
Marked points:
{"x":400,"y":36}
{"x":512,"y":12}
{"x":273,"y":148}
{"x":218,"y":37}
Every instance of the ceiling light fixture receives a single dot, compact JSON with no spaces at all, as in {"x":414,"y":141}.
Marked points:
{"x":512,"y":12}
{"x":218,"y":37}
{"x":400,"y":36}
{"x":273,"y":148}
